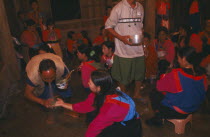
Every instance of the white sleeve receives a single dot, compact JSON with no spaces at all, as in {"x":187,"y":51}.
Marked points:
{"x":113,"y":18}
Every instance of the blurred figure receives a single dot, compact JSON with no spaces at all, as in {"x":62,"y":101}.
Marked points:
{"x":71,"y":44}
{"x":30,"y":38}
{"x":165,"y":50}
{"x":151,"y":58}
{"x":36,"y":16}
{"x":194,"y":15}
{"x":53,"y":36}
{"x":162,"y":13}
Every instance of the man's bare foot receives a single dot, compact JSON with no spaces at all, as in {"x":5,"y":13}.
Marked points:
{"x":71,"y":113}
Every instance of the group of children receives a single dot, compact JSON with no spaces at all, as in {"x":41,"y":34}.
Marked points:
{"x":113,"y":112}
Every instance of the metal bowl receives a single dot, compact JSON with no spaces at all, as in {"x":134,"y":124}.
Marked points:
{"x":136,"y":39}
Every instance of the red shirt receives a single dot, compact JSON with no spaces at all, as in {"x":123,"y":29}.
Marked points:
{"x":194,"y":8}
{"x":30,"y":38}
{"x":45,"y":34}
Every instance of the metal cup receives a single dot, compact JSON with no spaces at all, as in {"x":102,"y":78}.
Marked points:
{"x":62,"y":84}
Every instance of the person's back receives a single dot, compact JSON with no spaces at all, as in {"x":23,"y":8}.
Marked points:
{"x":189,"y":94}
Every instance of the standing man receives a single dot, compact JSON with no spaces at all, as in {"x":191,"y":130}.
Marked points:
{"x":126,"y":19}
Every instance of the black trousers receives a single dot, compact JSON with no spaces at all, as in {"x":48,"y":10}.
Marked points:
{"x":161,"y":110}
{"x":132,"y":128}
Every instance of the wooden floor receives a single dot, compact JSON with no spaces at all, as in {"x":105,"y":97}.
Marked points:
{"x":26,"y":119}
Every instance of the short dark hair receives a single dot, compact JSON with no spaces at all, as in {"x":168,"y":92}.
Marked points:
{"x":109,"y":44}
{"x":147,"y":35}
{"x":70,"y":34}
{"x":30,"y":22}
{"x":91,"y":53}
{"x":50,"y":21}
{"x":32,"y":1}
{"x":104,"y":80}
{"x":164,"y":29}
{"x":191,"y":57}
{"x":46,"y":64}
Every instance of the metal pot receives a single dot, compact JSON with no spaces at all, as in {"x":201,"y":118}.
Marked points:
{"x":63,"y":83}
{"x":136,"y":39}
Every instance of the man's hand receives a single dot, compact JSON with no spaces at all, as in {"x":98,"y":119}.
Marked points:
{"x":59,"y":102}
{"x":125,"y":40}
{"x":48,"y":103}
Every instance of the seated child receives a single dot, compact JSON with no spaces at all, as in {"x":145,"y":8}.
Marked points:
{"x":108,"y":54}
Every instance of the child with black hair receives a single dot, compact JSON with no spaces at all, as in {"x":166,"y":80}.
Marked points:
{"x":108,"y":48}
{"x":90,"y":62}
{"x":52,"y":36}
{"x":115,"y":112}
{"x":86,"y":38}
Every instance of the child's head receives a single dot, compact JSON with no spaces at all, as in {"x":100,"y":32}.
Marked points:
{"x":84,"y":34}
{"x":184,"y":30}
{"x":34,"y":4}
{"x":162,"y":33}
{"x":50,"y":24}
{"x":100,"y":82}
{"x":86,"y":53}
{"x":30,"y":24}
{"x":71,"y":35}
{"x":147,"y":38}
{"x":108,"y":48}
{"x":187,"y":56}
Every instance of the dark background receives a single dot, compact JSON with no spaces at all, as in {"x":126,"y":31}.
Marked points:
{"x":65,"y":9}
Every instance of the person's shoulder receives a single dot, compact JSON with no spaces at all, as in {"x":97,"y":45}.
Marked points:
{"x":139,"y":5}
{"x":118,"y":6}
{"x":169,"y":42}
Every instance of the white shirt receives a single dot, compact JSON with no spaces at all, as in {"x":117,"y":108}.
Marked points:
{"x":126,"y":20}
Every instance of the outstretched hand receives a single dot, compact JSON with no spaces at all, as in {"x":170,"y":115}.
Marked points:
{"x":48,"y":103}
{"x":59,"y":102}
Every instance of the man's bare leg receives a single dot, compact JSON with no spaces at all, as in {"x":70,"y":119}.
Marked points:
{"x":137,"y":89}
{"x":123,"y":88}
